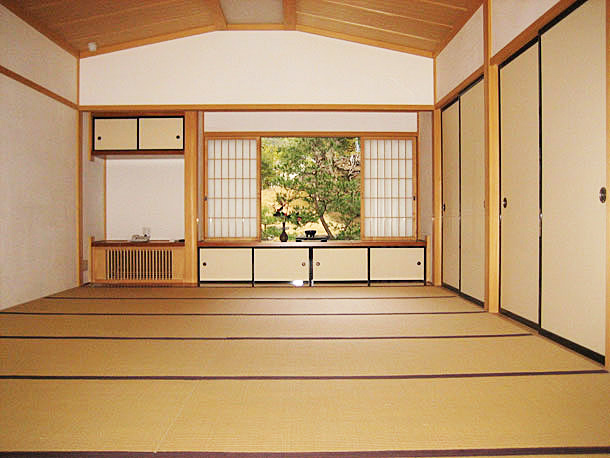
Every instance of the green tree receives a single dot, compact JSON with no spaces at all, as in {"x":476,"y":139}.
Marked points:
{"x":318,"y":177}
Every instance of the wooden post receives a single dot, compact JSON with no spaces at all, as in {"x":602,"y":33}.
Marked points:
{"x":437,"y":206}
{"x":190,"y":197}
{"x":607,"y":177}
{"x":492,"y":170}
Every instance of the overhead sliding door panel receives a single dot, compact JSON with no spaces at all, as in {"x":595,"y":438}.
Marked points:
{"x":472,"y":182}
{"x":451,"y":195}
{"x":573,"y":172}
{"x":520,"y":185}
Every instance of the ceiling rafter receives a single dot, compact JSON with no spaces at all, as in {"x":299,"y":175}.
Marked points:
{"x":290,"y":14}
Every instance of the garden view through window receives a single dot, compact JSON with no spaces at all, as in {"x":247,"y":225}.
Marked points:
{"x":310,"y":184}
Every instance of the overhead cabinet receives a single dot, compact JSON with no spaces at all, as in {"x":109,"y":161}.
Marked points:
{"x":138,"y":134}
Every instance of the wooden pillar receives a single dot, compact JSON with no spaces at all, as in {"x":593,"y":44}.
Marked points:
{"x":437,"y":205}
{"x":607,"y":180}
{"x":190,"y":196}
{"x":492,"y":170}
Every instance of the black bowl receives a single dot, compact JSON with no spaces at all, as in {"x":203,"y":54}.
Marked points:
{"x":310,"y":234}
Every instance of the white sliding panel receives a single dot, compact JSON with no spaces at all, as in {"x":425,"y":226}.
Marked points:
{"x":519,"y":185}
{"x":573,"y":171}
{"x":389,"y":188}
{"x":451,"y":195}
{"x":472,"y":192}
{"x":232,"y":189}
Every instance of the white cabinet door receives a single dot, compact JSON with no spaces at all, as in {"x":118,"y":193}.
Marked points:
{"x":281,"y":264}
{"x":340,"y":264}
{"x":573,"y":172}
{"x":472,"y":192}
{"x":520,"y":186}
{"x":451,"y":195}
{"x":161,"y":133}
{"x":225,"y":264}
{"x":397,"y":263}
{"x":115,"y":134}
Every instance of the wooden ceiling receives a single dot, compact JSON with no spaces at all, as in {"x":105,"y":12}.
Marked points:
{"x":421,"y":27}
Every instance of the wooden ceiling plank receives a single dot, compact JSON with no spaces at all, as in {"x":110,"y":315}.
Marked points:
{"x":447,"y":4}
{"x":59,"y":40}
{"x":365,"y":26}
{"x":377,"y":9}
{"x":219,"y":16}
{"x":290,"y":14}
{"x":367,"y":19}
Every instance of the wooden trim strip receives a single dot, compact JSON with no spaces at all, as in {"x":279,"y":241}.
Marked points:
{"x":238,"y":314}
{"x":310,"y":134}
{"x":15,"y":8}
{"x":531,"y":32}
{"x":222,"y":298}
{"x":607,"y":178}
{"x":148,"y":41}
{"x":259,"y":107}
{"x":364,"y":41}
{"x":220,"y":22}
{"x":437,"y":177}
{"x":299,"y":377}
{"x":290,"y":14}
{"x":427,"y":453}
{"x":448,"y":99}
{"x":473,"y":336}
{"x":37,"y":87}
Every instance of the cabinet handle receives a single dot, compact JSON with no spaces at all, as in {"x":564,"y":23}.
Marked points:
{"x":318,"y":263}
{"x":303,"y":264}
{"x":444,"y":207}
{"x":504,"y":202}
{"x":602,"y":195}
{"x":204,"y":263}
{"x":99,"y":138}
{"x":419,"y":263}
{"x":178,"y":137}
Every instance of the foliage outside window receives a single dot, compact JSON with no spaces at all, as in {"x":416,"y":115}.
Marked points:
{"x":310,"y":183}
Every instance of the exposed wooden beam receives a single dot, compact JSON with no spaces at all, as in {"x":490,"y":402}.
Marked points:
{"x":437,"y":200}
{"x":220,"y":22}
{"x":15,"y":8}
{"x":190,"y":196}
{"x":364,"y":41}
{"x":290,"y":14}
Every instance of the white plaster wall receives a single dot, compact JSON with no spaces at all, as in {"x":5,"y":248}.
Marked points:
{"x":93,"y":194}
{"x":38,"y":151}
{"x":511,"y":17}
{"x":256,"y":67}
{"x":32,"y":55}
{"x":145,"y":193}
{"x":310,"y":122}
{"x":461,"y":57}
{"x":426,"y":185}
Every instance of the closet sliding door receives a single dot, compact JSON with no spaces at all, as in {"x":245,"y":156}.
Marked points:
{"x":520,"y":186}
{"x":451,"y":195}
{"x":472,"y":192}
{"x":573,"y":172}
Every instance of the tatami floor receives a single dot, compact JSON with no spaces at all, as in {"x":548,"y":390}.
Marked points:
{"x":392,"y":371}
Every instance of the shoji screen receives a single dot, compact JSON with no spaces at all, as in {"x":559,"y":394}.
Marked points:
{"x":472,"y":192}
{"x":389,"y":188}
{"x":232,"y":192}
{"x":573,"y":68}
{"x":451,"y":195}
{"x":519,"y":185}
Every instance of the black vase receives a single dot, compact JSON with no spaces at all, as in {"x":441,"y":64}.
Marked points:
{"x":283,"y":235}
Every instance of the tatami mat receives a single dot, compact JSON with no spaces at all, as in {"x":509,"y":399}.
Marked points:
{"x":261,"y":306}
{"x":255,"y":326}
{"x":343,"y":358}
{"x":258,"y":292}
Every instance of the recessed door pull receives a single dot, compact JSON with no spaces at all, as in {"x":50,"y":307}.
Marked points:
{"x":303,"y":264}
{"x":318,"y":263}
{"x":602,"y":195}
{"x":504,"y":202}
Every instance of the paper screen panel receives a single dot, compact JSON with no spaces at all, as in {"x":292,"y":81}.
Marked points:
{"x":232,"y":188}
{"x":389,"y":188}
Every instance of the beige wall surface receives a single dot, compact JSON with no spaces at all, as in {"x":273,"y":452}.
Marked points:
{"x":317,"y":121}
{"x":461,"y":57}
{"x":27,"y":52}
{"x":251,"y":67}
{"x":38,"y":146}
{"x":425,"y":184}
{"x":511,"y":17}
{"x":93,"y":193}
{"x":145,"y":193}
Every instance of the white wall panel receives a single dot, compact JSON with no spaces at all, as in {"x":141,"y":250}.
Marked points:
{"x":294,"y":121}
{"x":249,"y":67}
{"x":32,"y":55}
{"x":38,"y":145}
{"x":511,"y":17}
{"x":461,"y":57}
{"x":145,"y":193}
